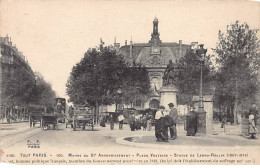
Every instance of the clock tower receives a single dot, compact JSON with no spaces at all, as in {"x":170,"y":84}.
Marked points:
{"x":155,"y":40}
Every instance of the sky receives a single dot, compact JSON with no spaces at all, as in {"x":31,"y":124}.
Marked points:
{"x":54,"y":34}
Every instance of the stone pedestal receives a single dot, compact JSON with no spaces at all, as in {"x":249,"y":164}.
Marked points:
{"x":168,"y":95}
{"x":201,"y":124}
{"x":208,"y":107}
{"x":205,"y":119}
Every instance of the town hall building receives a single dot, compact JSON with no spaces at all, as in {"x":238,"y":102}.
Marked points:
{"x":154,"y":55}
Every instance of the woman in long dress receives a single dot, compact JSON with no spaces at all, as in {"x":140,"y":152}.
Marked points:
{"x":191,"y":122}
{"x":160,"y":125}
{"x":252,"y":127}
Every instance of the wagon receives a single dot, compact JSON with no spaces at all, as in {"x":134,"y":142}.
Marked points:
{"x":49,"y":120}
{"x":81,"y":119}
{"x":34,"y":118}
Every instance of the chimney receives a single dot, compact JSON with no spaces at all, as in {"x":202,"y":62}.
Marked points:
{"x":116,"y":45}
{"x":126,"y":43}
{"x":6,"y":39}
{"x":10,"y":42}
{"x":131,"y":48}
{"x":180,"y":48}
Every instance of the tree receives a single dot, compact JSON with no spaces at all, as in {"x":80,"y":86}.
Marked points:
{"x":43,"y":92}
{"x":188,"y":77}
{"x":96,"y":78}
{"x":101,"y":74}
{"x":17,"y":88}
{"x":22,"y":89}
{"x":237,"y":57}
{"x":136,"y":85}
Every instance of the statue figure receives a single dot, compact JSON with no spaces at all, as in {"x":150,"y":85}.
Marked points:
{"x":169,"y":74}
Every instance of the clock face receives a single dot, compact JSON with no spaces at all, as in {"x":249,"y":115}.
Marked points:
{"x":155,"y":50}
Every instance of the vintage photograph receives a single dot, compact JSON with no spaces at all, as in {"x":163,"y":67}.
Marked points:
{"x":129,"y":82}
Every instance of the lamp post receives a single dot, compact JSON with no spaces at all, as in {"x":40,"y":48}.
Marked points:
{"x":201,"y":127}
{"x":119,"y":92}
{"x":201,"y":53}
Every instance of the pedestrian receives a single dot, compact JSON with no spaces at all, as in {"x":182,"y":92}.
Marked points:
{"x":149,"y":123}
{"x":160,"y":125}
{"x":144,"y":121}
{"x":8,"y":118}
{"x":121,"y":121}
{"x":252,"y":128}
{"x":253,"y":110}
{"x":137,"y":122}
{"x":191,"y":122}
{"x":103,"y":122}
{"x":111,"y":120}
{"x":132,"y":122}
{"x":223,"y":119}
{"x":174,"y":115}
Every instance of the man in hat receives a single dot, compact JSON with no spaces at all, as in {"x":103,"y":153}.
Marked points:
{"x":160,"y":125}
{"x":174,"y":115}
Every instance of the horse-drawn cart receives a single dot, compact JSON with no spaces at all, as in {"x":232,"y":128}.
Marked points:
{"x":34,"y":118}
{"x":81,"y":119}
{"x":49,"y":120}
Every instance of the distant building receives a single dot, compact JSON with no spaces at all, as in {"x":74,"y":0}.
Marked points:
{"x":10,"y":59}
{"x":155,"y":55}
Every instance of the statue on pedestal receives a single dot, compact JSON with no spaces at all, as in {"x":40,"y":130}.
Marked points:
{"x":169,"y":74}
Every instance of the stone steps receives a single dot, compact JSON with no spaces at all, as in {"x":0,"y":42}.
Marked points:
{"x":218,"y":131}
{"x":232,"y":130}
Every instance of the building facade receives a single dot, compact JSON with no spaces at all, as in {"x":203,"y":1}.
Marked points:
{"x":11,"y":61}
{"x":155,"y":55}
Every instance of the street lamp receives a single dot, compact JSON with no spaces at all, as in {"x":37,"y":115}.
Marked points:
{"x":201,"y":52}
{"x":201,"y":124}
{"x":119,"y":92}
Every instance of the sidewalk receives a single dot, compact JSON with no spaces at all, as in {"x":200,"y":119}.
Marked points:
{"x":15,"y":132}
{"x":14,"y":128}
{"x":143,"y":138}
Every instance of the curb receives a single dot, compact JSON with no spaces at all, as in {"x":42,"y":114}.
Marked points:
{"x":122,"y":141}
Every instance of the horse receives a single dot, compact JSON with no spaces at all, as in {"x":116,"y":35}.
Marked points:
{"x":168,"y":77}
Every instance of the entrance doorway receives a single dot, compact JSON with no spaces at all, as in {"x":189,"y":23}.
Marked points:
{"x":154,"y":103}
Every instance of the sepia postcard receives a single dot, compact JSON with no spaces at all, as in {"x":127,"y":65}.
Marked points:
{"x":129,"y":82}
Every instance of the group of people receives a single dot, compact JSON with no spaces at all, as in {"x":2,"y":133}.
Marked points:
{"x":111,"y":118}
{"x":136,"y":121}
{"x":140,"y":121}
{"x":165,"y":121}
